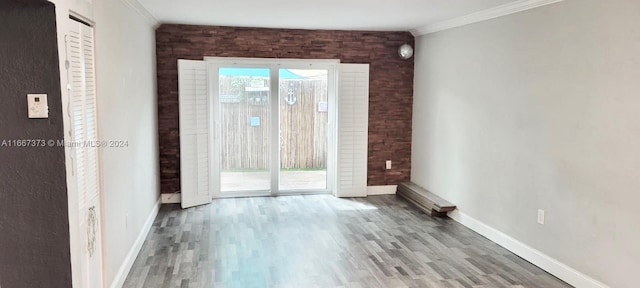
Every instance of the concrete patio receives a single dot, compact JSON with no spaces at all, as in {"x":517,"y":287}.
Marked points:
{"x":261,"y":180}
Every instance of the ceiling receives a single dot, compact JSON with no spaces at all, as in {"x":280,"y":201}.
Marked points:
{"x":383,"y":15}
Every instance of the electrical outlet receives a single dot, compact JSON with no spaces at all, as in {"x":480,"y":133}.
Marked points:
{"x":540,"y":216}
{"x":126,"y":221}
{"x":388,"y":164}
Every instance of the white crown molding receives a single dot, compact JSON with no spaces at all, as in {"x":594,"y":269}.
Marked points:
{"x":142,"y":11}
{"x":498,"y":11}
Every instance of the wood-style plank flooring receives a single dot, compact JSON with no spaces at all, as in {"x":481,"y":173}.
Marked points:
{"x":322,"y":241}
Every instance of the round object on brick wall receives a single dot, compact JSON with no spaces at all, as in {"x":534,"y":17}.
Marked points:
{"x":405,"y":51}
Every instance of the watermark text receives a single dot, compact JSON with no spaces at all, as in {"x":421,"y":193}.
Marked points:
{"x":62,"y":143}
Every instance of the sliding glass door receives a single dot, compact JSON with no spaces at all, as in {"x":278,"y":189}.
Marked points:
{"x":304,"y":123}
{"x":273,"y":132}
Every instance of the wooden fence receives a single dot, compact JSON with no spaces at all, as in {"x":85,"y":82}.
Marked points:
{"x":246,"y":123}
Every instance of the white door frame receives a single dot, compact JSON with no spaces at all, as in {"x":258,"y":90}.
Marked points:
{"x":331,"y":65}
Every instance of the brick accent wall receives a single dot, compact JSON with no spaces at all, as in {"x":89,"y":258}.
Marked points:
{"x":391,"y":83}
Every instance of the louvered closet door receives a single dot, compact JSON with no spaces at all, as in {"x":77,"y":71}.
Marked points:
{"x":195,"y":123}
{"x":80,"y":54}
{"x":353,"y":128}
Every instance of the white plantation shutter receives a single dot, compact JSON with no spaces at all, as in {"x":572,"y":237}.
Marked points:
{"x":83,"y":113}
{"x":83,"y":110}
{"x":195,"y":125}
{"x":353,"y":127}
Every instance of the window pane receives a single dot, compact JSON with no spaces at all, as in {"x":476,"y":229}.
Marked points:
{"x":244,"y":118}
{"x":303,"y":129}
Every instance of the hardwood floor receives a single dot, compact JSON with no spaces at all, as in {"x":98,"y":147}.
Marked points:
{"x":322,"y":241}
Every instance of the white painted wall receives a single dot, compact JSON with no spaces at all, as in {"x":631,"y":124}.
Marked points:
{"x":125,"y":49}
{"x":539,"y":109}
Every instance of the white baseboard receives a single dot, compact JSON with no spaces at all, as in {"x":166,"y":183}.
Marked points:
{"x":381,"y":190}
{"x":123,"y":272}
{"x":553,"y":266}
{"x":171,"y":198}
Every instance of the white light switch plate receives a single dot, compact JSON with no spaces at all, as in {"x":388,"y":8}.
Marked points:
{"x":38,"y":106}
{"x":541,"y":216}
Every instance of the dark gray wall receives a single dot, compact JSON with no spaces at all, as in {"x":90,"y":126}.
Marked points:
{"x":34,"y":224}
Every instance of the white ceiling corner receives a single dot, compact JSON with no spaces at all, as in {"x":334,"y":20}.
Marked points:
{"x":138,"y":7}
{"x":495,"y":12}
{"x":420,"y":17}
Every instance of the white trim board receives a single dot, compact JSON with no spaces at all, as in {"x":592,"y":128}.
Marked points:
{"x":125,"y":268}
{"x":381,"y":190}
{"x":488,"y":14}
{"x":545,"y":262}
{"x":269,"y":61}
{"x":171,"y":198}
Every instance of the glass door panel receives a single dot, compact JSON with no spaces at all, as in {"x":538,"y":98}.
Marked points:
{"x":304,"y":129}
{"x":244,"y":114}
